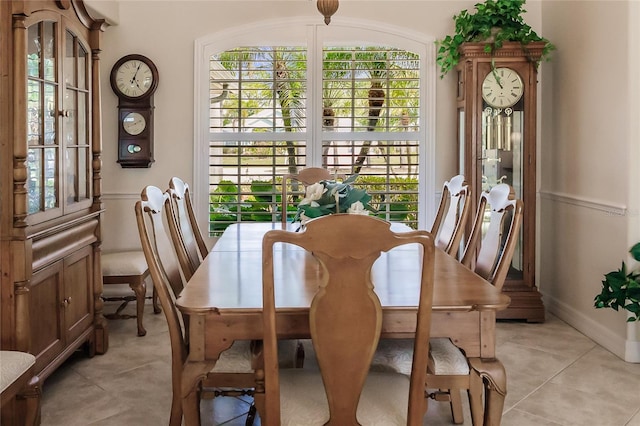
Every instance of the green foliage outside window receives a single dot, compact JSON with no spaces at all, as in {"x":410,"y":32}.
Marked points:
{"x":396,"y":201}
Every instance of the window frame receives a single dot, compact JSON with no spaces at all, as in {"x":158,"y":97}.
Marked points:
{"x":316,"y":35}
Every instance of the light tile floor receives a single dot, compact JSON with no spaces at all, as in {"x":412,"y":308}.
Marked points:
{"x":556,"y":376}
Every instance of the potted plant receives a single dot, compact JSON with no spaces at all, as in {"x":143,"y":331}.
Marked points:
{"x":621,"y":289}
{"x":494,"y":22}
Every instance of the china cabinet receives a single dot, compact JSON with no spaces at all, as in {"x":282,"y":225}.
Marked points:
{"x":50,"y":181}
{"x":496,"y":104}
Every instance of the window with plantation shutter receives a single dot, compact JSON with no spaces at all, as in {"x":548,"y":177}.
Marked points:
{"x":352,"y":109}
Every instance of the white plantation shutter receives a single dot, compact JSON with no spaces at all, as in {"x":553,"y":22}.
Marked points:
{"x":260,"y":128}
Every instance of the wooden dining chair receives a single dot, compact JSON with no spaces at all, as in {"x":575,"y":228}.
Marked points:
{"x":20,"y":390}
{"x":489,"y":254}
{"x":345,"y":321}
{"x":451,"y":218}
{"x":234,"y":368}
{"x":307,"y":176}
{"x":184,"y":228}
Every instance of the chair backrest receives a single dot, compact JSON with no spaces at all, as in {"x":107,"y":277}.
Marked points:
{"x":490,"y":255}
{"x":307,"y":176}
{"x":345,"y":317}
{"x":187,"y":230}
{"x":164,"y":270}
{"x":451,"y":219}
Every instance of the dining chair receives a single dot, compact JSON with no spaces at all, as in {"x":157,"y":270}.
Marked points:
{"x":183,"y":227}
{"x":234,"y":368}
{"x":20,"y":391}
{"x":345,"y":321}
{"x":489,"y":254}
{"x":451,"y":218}
{"x":307,"y":176}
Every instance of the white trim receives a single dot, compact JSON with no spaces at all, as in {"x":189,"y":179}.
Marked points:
{"x":587,"y":203}
{"x":632,"y":344}
{"x":120,"y":196}
{"x":587,"y":325}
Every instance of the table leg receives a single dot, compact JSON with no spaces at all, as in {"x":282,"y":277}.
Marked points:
{"x":494,"y":376}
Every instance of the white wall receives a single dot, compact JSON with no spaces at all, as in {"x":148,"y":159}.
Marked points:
{"x":588,"y":150}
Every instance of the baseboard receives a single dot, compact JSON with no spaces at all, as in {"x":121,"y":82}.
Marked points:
{"x":585,"y":202}
{"x":588,"y":326}
{"x":632,"y":351}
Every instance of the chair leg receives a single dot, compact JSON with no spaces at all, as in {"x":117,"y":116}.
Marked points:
{"x":475,"y":398}
{"x":175,"y":418}
{"x":299,"y":362}
{"x":140,"y":290}
{"x":251,"y":415}
{"x":154,"y":298}
{"x":456,"y":406}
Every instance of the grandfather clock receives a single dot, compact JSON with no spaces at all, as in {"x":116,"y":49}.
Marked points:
{"x":496,"y":103}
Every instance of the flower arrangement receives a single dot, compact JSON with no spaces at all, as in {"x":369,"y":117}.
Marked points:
{"x":331,"y":196}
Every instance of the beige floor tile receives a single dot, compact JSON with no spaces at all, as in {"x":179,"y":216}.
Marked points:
{"x":527,"y":369}
{"x":635,"y":420}
{"x":71,"y":400}
{"x":553,"y":336}
{"x":556,"y":376}
{"x":521,"y":418}
{"x":568,"y":406}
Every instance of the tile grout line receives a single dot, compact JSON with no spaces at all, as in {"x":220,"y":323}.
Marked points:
{"x":515,"y":406}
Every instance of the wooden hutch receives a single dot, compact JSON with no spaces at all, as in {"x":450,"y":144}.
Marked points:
{"x":50,"y":186}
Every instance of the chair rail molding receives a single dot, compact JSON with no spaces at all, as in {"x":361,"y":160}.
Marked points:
{"x":612,"y":209}
{"x":120,"y":196}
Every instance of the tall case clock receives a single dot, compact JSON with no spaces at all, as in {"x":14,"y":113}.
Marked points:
{"x":496,"y":103}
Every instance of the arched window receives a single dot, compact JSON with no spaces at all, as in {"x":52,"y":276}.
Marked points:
{"x":278,"y":98}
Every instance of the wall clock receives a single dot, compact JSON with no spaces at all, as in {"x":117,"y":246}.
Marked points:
{"x":134,"y":79}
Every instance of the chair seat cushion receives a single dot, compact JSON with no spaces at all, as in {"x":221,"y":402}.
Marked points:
{"x":384,"y":400}
{"x":237,"y":359}
{"x":446,"y":358}
{"x":123,"y":263}
{"x":13,"y":364}
{"x":397,"y":355}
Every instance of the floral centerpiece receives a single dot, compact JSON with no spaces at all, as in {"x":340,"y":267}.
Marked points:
{"x":331,"y":196}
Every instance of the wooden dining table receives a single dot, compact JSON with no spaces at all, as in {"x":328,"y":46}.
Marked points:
{"x":223,"y":301}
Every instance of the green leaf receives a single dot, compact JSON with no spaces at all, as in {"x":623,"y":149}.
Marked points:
{"x":635,"y":251}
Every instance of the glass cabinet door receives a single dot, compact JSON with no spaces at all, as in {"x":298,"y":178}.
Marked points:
{"x":501,"y":160}
{"x":75,"y":120}
{"x":58,"y":130}
{"x":42,"y":105}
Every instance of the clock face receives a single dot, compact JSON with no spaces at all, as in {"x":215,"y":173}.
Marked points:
{"x":502,"y":88}
{"x":134,"y":123}
{"x":134,"y":78}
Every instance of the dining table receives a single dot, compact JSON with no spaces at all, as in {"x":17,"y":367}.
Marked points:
{"x":223,"y":303}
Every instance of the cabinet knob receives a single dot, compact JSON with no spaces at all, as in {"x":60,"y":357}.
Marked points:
{"x":66,"y":302}
{"x":65,"y":113}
